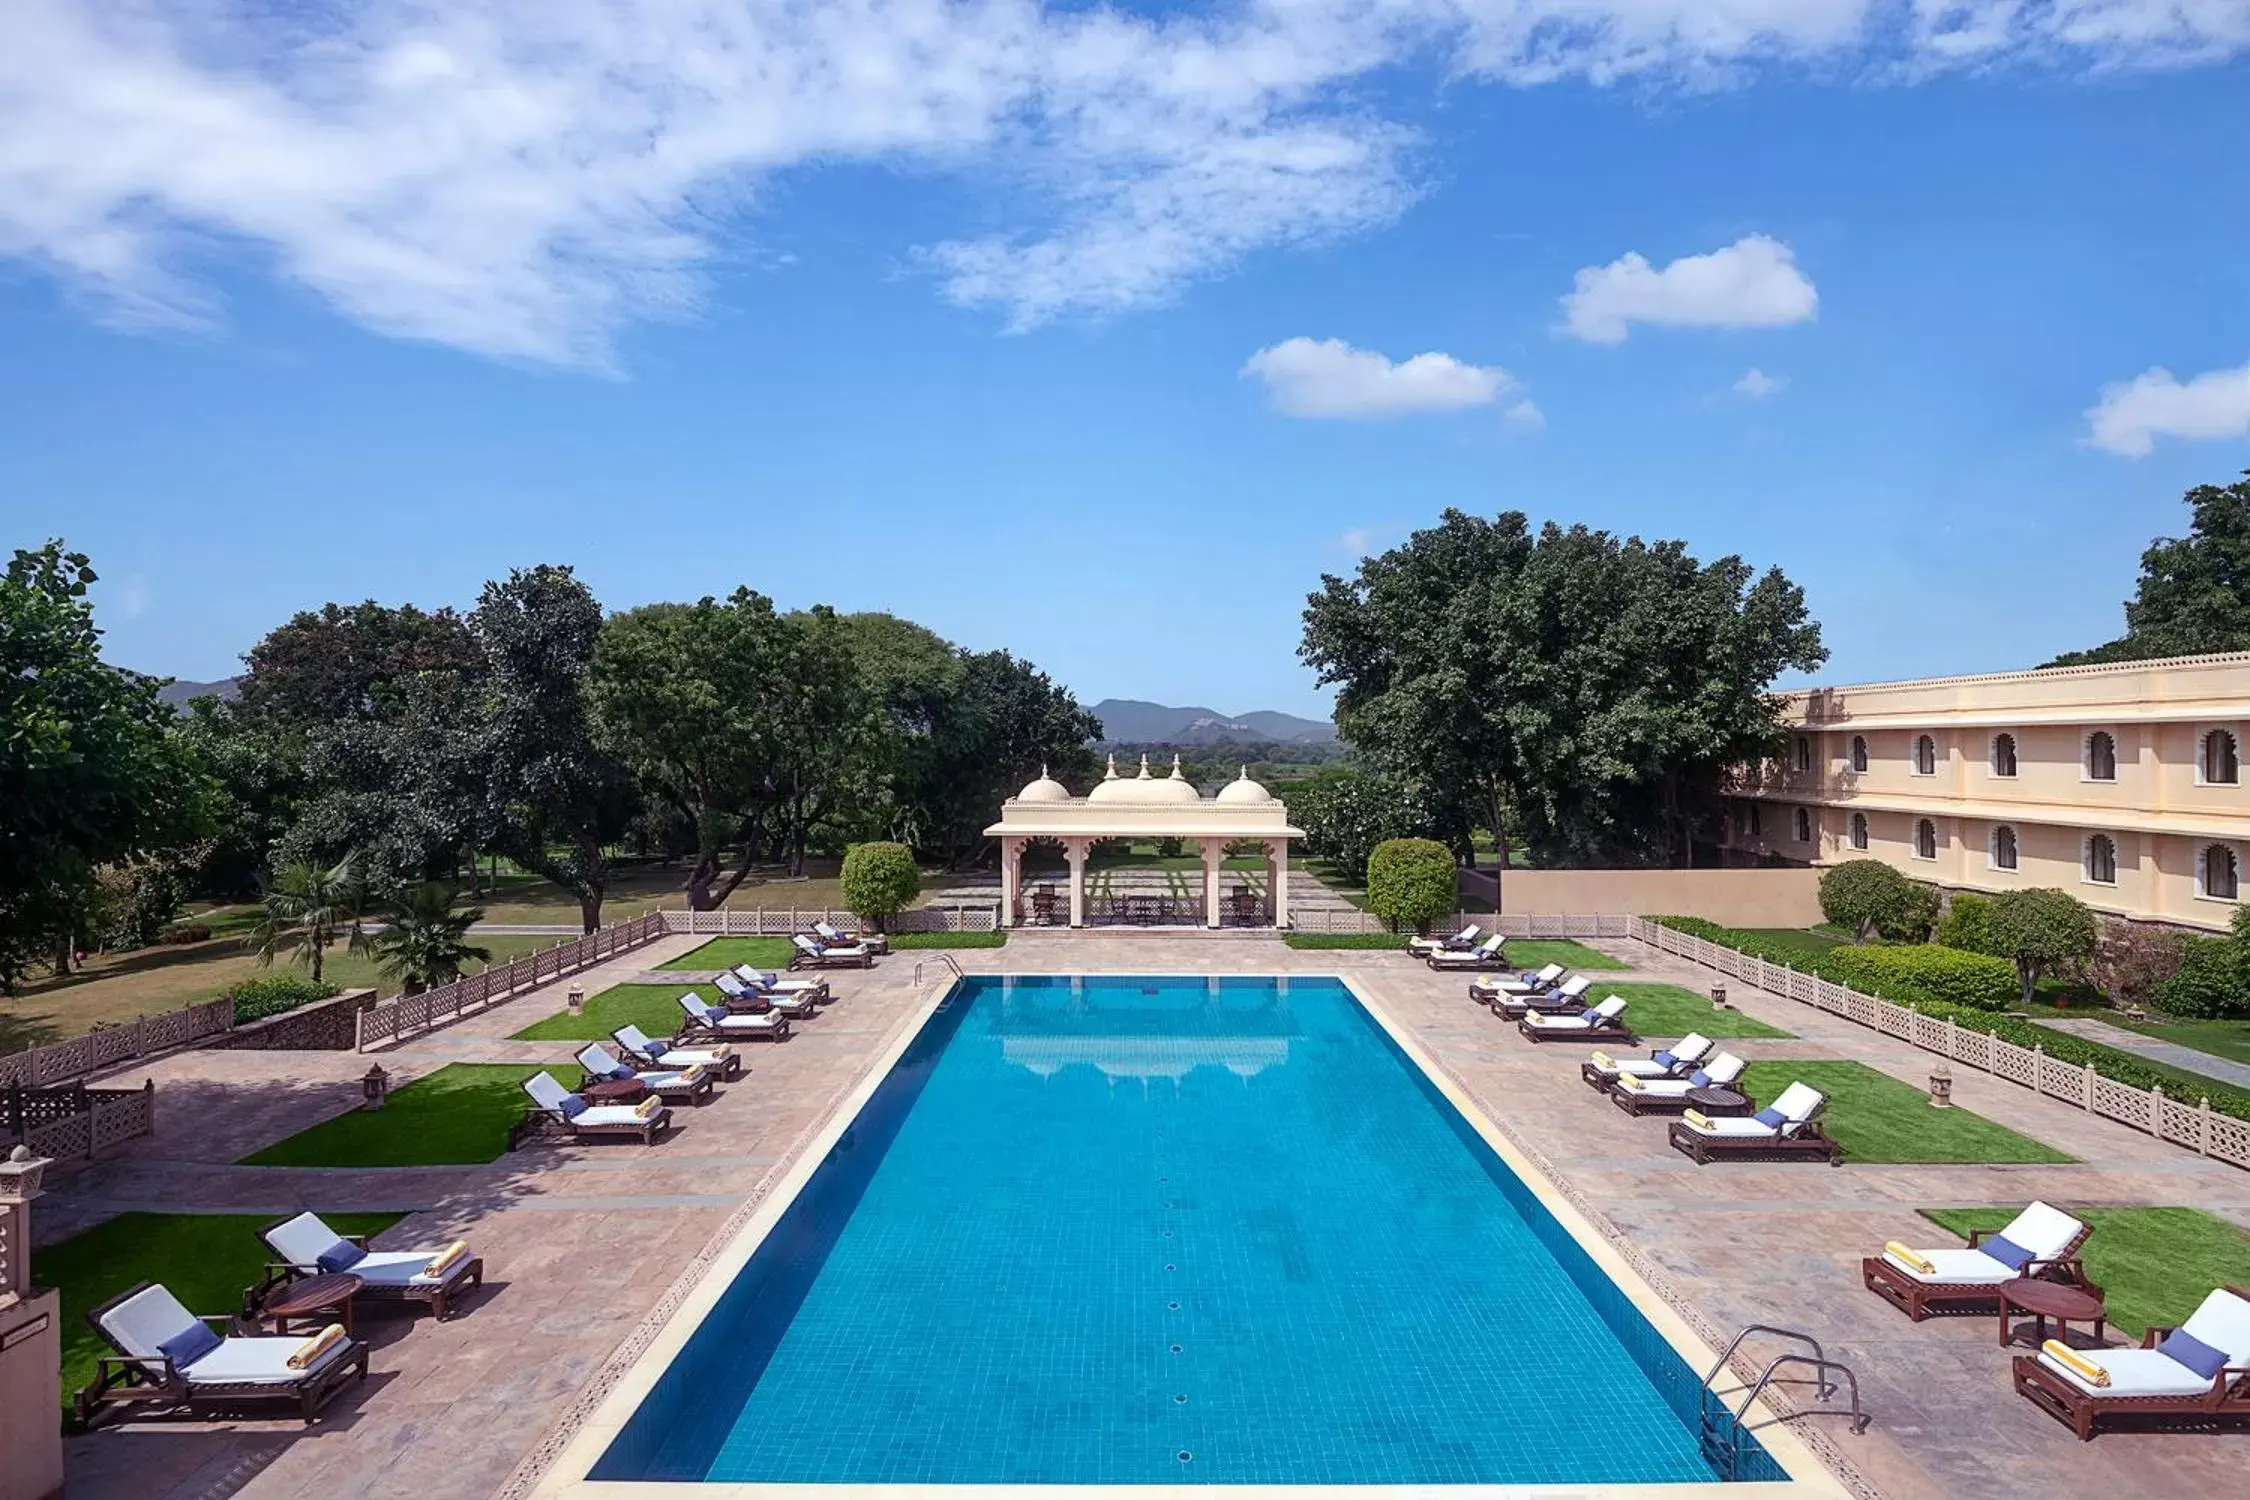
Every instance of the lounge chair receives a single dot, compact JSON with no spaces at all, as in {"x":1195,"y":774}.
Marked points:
{"x":1492,"y":953}
{"x":746,"y":999}
{"x":1535,"y":982}
{"x":1788,"y":1128}
{"x":1675,"y":1061}
{"x":1668,"y":1096}
{"x":1563,"y":1000}
{"x":784,"y":984}
{"x":688,"y":1082}
{"x":168,"y":1357}
{"x":304,"y":1245}
{"x":835,"y":937}
{"x":706,"y":1021}
{"x":555,"y":1110}
{"x":1604,"y":1023}
{"x":1423,"y":947}
{"x":812,"y":953}
{"x":646,"y":1051}
{"x":2041,"y":1241}
{"x":2197,"y":1372}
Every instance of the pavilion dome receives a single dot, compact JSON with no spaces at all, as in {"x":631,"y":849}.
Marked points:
{"x":1144,"y":789}
{"x":1243,"y":790}
{"x":1045,"y":789}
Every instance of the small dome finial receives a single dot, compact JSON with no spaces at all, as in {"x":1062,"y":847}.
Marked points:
{"x":1175,"y":765}
{"x":1144,"y":765}
{"x":1112,"y":773}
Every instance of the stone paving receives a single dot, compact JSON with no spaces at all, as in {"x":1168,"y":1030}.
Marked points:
{"x":581,"y":1242}
{"x":2155,"y":1049}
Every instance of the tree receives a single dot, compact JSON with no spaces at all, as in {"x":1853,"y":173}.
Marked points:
{"x":559,"y":800}
{"x":1967,"y":924}
{"x":305,"y":911}
{"x":1868,"y":898}
{"x":2194,"y":591}
{"x":1412,"y":882}
{"x":257,"y":784}
{"x":1598,"y":689}
{"x":2042,"y":930}
{"x":91,"y":771}
{"x":879,"y":880}
{"x":425,"y":940}
{"x":1346,"y":813}
{"x":349,"y":661}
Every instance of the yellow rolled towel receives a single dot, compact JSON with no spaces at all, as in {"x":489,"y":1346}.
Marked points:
{"x":721,"y":1052}
{"x":1909,"y":1257}
{"x":1697,"y":1118}
{"x":2078,"y":1364}
{"x":446,"y":1259}
{"x":1630,"y":1083}
{"x":648,"y":1107}
{"x":694,"y":1074}
{"x":314,"y":1347}
{"x":1605,"y":1062}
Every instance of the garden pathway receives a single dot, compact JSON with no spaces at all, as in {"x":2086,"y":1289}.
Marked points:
{"x":2155,"y":1049}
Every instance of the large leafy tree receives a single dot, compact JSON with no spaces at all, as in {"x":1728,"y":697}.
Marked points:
{"x":91,"y":771}
{"x":2194,"y":593}
{"x":559,"y":799}
{"x":1598,"y":688}
{"x":1345,"y":813}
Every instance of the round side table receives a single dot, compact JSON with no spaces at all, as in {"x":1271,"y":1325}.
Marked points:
{"x":322,"y":1299}
{"x":2059,"y":1300}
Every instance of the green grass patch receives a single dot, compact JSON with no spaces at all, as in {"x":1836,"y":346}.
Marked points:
{"x":2228,"y":1039}
{"x":1797,"y":947}
{"x":460,"y":1114}
{"x":207,"y":1260}
{"x":2154,"y":1265}
{"x":1877,"y":1118}
{"x":907,"y":941}
{"x":726,"y":952}
{"x":654,"y":1008}
{"x":1675,"y":1010}
{"x":1368,"y":942}
{"x":1537,"y":953}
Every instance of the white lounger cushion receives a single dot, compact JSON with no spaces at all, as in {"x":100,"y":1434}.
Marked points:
{"x":1483,"y":953}
{"x":1731,"y":1127}
{"x":2223,"y":1322}
{"x":711,"y":1015}
{"x":1545,"y":977}
{"x":1464,"y":937}
{"x":608,"y":1114}
{"x":1719,"y":1073}
{"x":1688,"y":1049}
{"x":1955,"y":1267}
{"x":2043,"y":1229}
{"x":760,"y":979}
{"x":1586,"y":1020}
{"x":2133,"y":1372}
{"x":302,"y":1241}
{"x":404,"y":1267}
{"x":144,"y":1321}
{"x":766,"y":1022}
{"x":673,"y":1057}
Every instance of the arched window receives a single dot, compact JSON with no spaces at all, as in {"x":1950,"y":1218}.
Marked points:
{"x":1859,"y":752}
{"x":1925,"y":755}
{"x":2003,"y":847}
{"x":2101,"y":756}
{"x":2219,"y":875}
{"x":2101,"y":859}
{"x":1859,"y":830}
{"x":2003,"y":755}
{"x":2222,"y":764}
{"x":1925,"y":839}
{"x":1804,"y":826}
{"x":1757,"y":824}
{"x":1804,"y":753}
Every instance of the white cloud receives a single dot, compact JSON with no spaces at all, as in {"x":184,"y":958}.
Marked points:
{"x":2133,"y":414}
{"x":1526,"y":416}
{"x":1758,"y":385}
{"x":1752,"y":283}
{"x":1329,"y":378}
{"x":528,"y":180}
{"x":1354,"y":543}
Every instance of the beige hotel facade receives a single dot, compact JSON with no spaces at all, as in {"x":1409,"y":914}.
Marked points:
{"x":2122,"y":784}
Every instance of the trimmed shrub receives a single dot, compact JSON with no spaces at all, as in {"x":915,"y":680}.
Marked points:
{"x":1967,"y":924}
{"x":1867,"y":897}
{"x":879,"y":880}
{"x":255,"y":999}
{"x":2133,"y":961}
{"x":1168,"y":847}
{"x":2041,"y":931}
{"x":1412,"y":882}
{"x":1926,"y":971}
{"x":2211,"y":983}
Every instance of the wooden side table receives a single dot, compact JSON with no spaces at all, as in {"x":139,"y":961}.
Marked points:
{"x":615,"y":1091}
{"x":1719,"y":1103}
{"x":320,"y":1300}
{"x":2059,"y":1300}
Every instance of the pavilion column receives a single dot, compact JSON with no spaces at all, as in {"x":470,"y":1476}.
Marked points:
{"x":1076,"y":850}
{"x":1011,"y":882}
{"x":1214,"y":857}
{"x":1281,"y":882}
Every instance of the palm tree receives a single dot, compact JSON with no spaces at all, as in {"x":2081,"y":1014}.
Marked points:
{"x":305,"y":906}
{"x":424,"y":941}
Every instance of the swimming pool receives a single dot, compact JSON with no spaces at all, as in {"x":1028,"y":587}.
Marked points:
{"x":1114,"y":1230}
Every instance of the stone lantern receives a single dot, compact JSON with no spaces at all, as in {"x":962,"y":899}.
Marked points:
{"x":373,"y":1085}
{"x":575,"y":1000}
{"x":1941,"y":1086}
{"x":1718,"y":997}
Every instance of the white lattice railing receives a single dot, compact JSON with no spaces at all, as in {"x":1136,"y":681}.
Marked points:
{"x":60,"y":1062}
{"x":783,"y":921}
{"x":1527,"y":925}
{"x":389,"y":1020}
{"x":101,"y":1119}
{"x":2196,"y":1126}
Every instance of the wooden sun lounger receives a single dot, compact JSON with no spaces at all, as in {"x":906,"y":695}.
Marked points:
{"x":1639,"y":1103}
{"x":127,"y":1379}
{"x":1617,"y":1033}
{"x":1810,"y":1143}
{"x":2080,"y":1410}
{"x":1552,"y":1003}
{"x":1919,"y":1299}
{"x":462,"y":1276}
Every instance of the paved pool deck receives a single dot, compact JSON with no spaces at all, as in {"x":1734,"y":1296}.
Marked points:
{"x":585,"y":1246}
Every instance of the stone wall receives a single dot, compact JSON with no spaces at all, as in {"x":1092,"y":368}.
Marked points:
{"x":330,"y":1025}
{"x":1735,"y":898}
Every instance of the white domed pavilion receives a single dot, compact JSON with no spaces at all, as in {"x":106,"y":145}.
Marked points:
{"x":1145,"y":806}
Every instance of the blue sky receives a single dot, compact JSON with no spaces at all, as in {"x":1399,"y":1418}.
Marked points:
{"x":1087,"y":333}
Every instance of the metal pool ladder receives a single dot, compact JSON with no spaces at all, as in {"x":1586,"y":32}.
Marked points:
{"x":1720,"y":1427}
{"x":942,"y":958}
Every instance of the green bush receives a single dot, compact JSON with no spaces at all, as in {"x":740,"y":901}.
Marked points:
{"x":879,"y":880}
{"x":2041,"y":931}
{"x":1353,"y":941}
{"x":1412,"y":882}
{"x":2212,"y":983}
{"x":1867,"y":897}
{"x":1926,"y":971}
{"x":255,"y":999}
{"x":1967,"y":925}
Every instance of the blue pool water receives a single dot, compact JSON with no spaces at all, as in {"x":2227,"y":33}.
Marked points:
{"x":1119,"y":1231}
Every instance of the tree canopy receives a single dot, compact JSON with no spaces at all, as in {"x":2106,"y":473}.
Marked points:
{"x":2194,"y":591}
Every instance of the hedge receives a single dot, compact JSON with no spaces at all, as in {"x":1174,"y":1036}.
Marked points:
{"x":1926,"y":971}
{"x":2118,"y":1067}
{"x":255,"y":999}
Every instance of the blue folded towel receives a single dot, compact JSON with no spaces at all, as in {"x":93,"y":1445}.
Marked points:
{"x":2007,"y":1252}
{"x":2194,"y":1353}
{"x":1663,"y":1058}
{"x":341,"y":1256}
{"x":189,"y":1345}
{"x":1771,"y":1118}
{"x":572,"y":1106}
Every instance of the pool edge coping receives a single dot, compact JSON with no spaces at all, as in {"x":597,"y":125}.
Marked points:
{"x":560,"y":1467}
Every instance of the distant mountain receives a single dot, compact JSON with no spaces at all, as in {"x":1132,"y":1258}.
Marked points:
{"x":1135,"y":722}
{"x":179,"y":693}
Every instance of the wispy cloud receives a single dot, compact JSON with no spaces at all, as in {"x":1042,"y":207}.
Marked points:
{"x":526,"y":180}
{"x":1752,"y":283}
{"x":1329,"y":378}
{"x":1758,"y":385}
{"x":2133,"y":414}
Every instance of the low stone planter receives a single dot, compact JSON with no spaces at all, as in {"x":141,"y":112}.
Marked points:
{"x":330,"y":1025}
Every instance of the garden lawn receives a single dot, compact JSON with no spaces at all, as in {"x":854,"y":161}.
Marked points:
{"x":1537,"y":953}
{"x":2154,"y":1265}
{"x":726,"y":952}
{"x":1798,"y":947}
{"x":1672,"y":1010}
{"x":1358,"y":942}
{"x":652,"y":1007}
{"x":907,"y":941}
{"x":458,"y":1115}
{"x":1876,"y":1118}
{"x":208,"y":1261}
{"x":2228,"y":1039}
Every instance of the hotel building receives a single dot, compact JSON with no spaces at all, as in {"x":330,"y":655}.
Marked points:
{"x":2121,"y":783}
